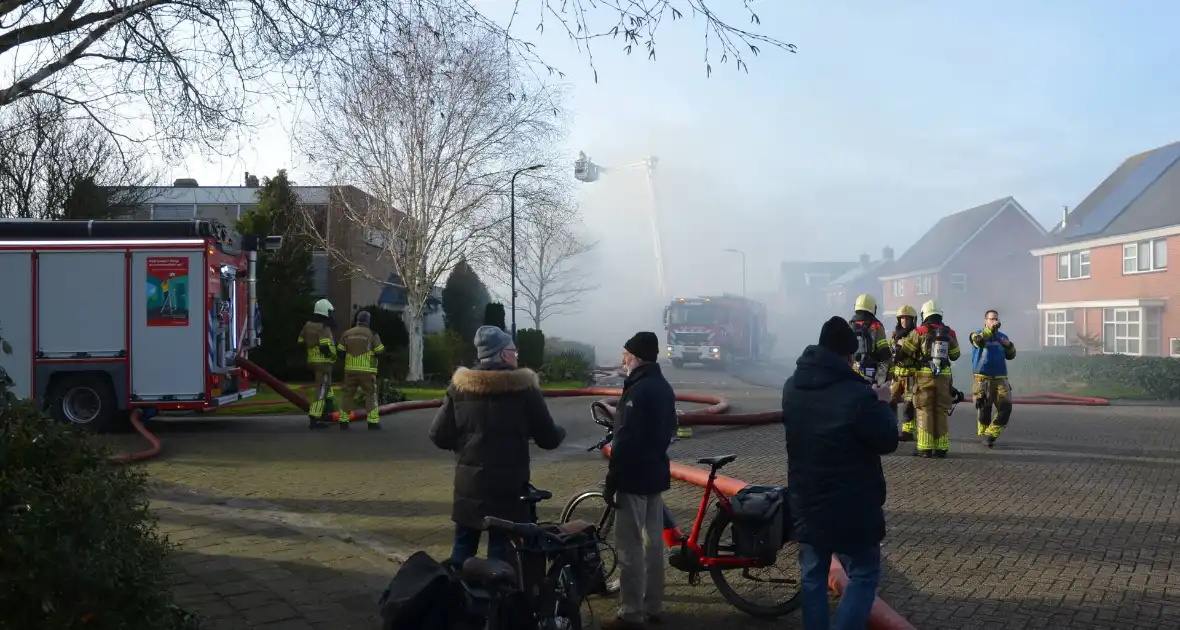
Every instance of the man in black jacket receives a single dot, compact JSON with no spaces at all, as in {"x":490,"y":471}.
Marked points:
{"x":489,"y":416}
{"x":838,"y":427}
{"x":638,"y":475}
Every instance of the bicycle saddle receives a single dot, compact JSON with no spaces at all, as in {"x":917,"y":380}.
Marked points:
{"x":718,"y":461}
{"x":536,"y":495}
{"x":488,"y":571}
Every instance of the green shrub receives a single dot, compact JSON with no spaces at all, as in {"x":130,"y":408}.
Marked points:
{"x":1153,"y":377}
{"x":443,"y":352}
{"x":570,"y":365}
{"x":388,"y":393}
{"x":530,"y":348}
{"x":78,"y":545}
{"x":556,"y":346}
{"x":494,"y":315}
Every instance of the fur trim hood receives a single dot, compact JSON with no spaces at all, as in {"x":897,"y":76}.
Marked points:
{"x":481,"y":382}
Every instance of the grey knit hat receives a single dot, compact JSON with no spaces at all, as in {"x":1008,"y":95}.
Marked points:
{"x":491,"y":341}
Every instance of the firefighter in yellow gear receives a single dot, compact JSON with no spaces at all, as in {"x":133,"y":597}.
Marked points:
{"x":871,"y":359}
{"x":316,"y":336}
{"x":901,"y":390}
{"x":933,"y":346}
{"x":991,"y":350}
{"x":361,"y":346}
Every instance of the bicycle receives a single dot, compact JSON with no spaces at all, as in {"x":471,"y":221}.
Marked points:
{"x":545,"y":586}
{"x":688,"y":554}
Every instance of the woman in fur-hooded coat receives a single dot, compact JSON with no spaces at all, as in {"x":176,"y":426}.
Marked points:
{"x":488,"y":418}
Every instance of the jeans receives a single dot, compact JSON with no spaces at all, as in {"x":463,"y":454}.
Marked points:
{"x":467,"y":545}
{"x":864,"y":574}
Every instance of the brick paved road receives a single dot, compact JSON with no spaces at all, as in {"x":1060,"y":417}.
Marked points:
{"x":1072,"y":521}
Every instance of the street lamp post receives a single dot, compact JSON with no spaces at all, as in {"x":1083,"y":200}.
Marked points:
{"x":743,"y":255}
{"x":512,"y":238}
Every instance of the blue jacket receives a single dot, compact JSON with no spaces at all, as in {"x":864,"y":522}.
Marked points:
{"x":988,"y":356}
{"x":837,"y":432}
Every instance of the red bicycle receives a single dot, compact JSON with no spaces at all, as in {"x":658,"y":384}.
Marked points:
{"x":717,"y":555}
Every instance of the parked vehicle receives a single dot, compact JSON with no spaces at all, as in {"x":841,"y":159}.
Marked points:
{"x":716,"y":330}
{"x":108,"y":316}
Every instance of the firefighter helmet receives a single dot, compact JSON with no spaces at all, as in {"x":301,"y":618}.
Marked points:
{"x":907,"y":311}
{"x":324,"y":308}
{"x":363,"y":318}
{"x":865,"y":302}
{"x":930,"y":308}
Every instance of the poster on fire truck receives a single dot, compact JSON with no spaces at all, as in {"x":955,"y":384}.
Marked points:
{"x":167,"y":291}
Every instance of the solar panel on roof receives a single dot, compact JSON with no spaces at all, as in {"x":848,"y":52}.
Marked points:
{"x":1146,"y":174}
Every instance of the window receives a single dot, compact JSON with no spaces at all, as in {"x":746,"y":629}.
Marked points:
{"x":817,"y":279}
{"x":1059,"y":330}
{"x":923,"y":285}
{"x":959,"y":282}
{"x":1073,"y":265}
{"x":1175,"y":347}
{"x":1121,"y":331}
{"x":1145,"y":256}
{"x":319,"y":274}
{"x":376,"y":238}
{"x":899,"y":288}
{"x":1151,"y":331}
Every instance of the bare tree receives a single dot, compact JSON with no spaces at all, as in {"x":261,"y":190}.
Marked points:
{"x":550,"y":256}
{"x":55,"y":167}
{"x":195,"y":67}
{"x":430,"y":121}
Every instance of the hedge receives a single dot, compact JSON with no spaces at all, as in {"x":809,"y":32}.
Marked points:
{"x":1156,"y":377}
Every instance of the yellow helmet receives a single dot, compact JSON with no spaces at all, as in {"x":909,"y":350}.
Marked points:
{"x":907,"y":311}
{"x":930,"y":308}
{"x":865,"y":302}
{"x":323,"y":307}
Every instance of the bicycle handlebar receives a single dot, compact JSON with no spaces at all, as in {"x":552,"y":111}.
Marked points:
{"x":527,"y":530}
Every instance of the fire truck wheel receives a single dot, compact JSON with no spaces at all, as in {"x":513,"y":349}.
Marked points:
{"x":86,"y":401}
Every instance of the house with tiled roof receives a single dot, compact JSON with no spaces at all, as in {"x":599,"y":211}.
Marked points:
{"x":971,"y":261}
{"x":842,"y":290}
{"x":1105,"y":280}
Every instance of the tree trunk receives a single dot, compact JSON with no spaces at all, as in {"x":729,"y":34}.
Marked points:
{"x":412,"y":318}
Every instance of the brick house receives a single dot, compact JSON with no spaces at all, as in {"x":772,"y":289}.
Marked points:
{"x":1105,"y":283}
{"x":842,"y":291}
{"x":969,"y":262}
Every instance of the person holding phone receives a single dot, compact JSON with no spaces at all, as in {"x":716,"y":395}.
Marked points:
{"x":991,"y":350}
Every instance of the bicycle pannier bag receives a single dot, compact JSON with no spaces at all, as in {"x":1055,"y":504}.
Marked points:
{"x":758,"y":521}
{"x":423,"y":594}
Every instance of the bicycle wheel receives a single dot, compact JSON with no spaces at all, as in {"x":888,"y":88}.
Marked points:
{"x":784,"y":578}
{"x":589,"y":505}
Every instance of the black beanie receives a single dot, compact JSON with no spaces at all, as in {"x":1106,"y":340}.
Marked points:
{"x":645,"y":346}
{"x":837,"y":336}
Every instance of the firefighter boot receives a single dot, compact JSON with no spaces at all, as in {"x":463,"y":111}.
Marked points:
{"x":373,"y":420}
{"x":315,"y":414}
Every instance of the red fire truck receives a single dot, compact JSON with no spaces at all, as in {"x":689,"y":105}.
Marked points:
{"x":107,"y":316}
{"x":716,"y":330}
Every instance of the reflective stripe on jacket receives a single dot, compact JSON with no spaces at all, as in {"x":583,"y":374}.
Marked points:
{"x":316,"y":336}
{"x":361,"y":346}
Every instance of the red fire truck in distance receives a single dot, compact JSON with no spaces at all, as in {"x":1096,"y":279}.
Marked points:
{"x":107,"y":316}
{"x":716,"y":330}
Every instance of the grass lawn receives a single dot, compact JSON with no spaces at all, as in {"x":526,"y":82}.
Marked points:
{"x":267,"y":402}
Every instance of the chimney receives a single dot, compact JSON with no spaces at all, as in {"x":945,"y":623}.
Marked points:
{"x":887,"y":253}
{"x":864,"y":260}
{"x":185,"y":182}
{"x":251,"y":180}
{"x":1064,"y":216}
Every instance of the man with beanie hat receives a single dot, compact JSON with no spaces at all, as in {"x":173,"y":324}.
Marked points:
{"x":489,"y":416}
{"x":838,"y":426}
{"x":636,"y":479}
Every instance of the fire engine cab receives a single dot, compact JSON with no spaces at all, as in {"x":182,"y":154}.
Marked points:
{"x":716,"y":330}
{"x":107,"y":316}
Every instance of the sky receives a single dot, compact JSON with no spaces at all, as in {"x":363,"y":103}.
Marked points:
{"x":889,"y":117}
